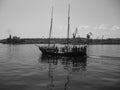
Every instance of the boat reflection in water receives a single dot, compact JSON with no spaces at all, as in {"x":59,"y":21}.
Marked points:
{"x":69,"y":64}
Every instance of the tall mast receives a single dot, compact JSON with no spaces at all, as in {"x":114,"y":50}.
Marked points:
{"x":68,"y":24}
{"x":50,"y":27}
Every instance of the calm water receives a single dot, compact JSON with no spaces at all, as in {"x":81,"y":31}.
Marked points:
{"x":22,"y":68}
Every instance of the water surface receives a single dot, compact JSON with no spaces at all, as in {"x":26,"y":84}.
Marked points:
{"x":22,"y":68}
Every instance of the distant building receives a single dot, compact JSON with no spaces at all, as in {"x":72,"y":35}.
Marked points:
{"x":13,"y":40}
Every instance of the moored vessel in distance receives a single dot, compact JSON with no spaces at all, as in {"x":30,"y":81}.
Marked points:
{"x":67,"y":50}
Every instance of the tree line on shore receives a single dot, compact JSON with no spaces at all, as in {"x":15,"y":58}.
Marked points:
{"x":63,"y":41}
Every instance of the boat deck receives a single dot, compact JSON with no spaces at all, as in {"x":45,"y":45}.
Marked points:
{"x":64,"y":51}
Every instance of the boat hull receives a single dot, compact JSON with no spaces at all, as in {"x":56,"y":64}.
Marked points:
{"x":69,"y":54}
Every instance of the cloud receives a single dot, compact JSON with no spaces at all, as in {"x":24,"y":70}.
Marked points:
{"x":101,"y":27}
{"x":84,"y":27}
{"x":115,"y":27}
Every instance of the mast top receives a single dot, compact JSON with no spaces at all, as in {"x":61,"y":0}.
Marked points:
{"x":68,"y":24}
{"x":69,"y":10}
{"x":50,"y":27}
{"x":52,"y":12}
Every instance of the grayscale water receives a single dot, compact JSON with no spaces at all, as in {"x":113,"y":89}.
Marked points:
{"x":21,"y":68}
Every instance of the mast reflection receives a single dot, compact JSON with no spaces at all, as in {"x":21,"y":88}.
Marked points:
{"x":73,"y":64}
{"x":70,"y":64}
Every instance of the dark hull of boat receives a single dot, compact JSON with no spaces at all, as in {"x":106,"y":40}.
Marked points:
{"x":68,"y":54}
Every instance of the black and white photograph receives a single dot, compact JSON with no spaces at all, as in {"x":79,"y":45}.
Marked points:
{"x":59,"y":44}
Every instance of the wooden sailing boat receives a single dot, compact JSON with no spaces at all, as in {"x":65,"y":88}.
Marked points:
{"x":67,"y":50}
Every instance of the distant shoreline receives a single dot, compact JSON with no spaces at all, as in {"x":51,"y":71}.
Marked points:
{"x":76,"y":41}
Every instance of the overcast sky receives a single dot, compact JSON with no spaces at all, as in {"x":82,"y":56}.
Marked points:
{"x":31,"y":18}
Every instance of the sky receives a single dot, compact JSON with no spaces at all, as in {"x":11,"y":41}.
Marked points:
{"x":31,"y":18}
